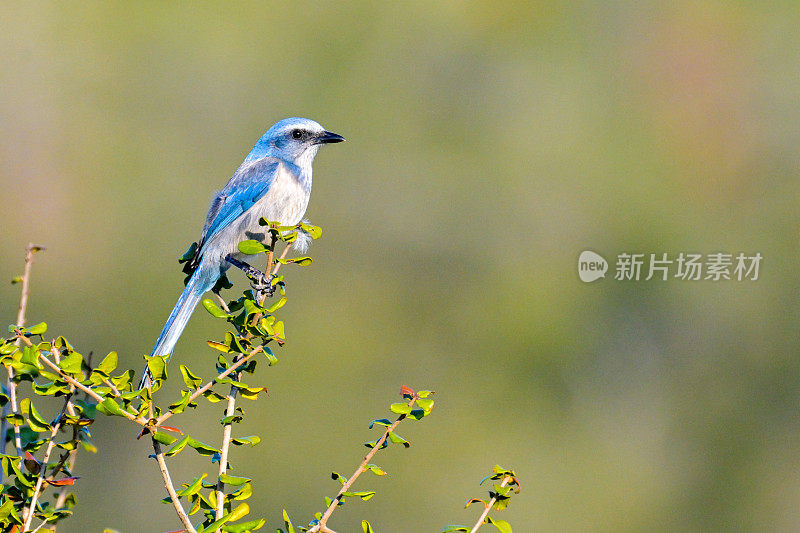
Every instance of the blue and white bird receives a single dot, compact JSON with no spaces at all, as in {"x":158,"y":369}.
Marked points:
{"x":273,"y":182}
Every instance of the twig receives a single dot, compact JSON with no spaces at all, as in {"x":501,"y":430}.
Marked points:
{"x":283,"y":256}
{"x":231,"y":406}
{"x":173,"y":496}
{"x":37,"y":490}
{"x":226,"y":443}
{"x":222,"y":375}
{"x":321,"y":527}
{"x":489,"y":506}
{"x":21,"y":319}
{"x":72,"y":456}
{"x":77,"y":384}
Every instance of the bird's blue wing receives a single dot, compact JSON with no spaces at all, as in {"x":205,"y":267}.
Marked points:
{"x":250,"y":182}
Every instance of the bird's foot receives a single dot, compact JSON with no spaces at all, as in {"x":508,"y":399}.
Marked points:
{"x":259,"y":281}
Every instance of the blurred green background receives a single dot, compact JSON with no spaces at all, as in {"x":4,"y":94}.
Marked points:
{"x":488,"y":145}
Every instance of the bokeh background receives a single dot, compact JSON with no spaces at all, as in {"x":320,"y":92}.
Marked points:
{"x":488,"y":145}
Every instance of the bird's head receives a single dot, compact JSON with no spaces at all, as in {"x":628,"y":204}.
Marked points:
{"x":295,"y":140}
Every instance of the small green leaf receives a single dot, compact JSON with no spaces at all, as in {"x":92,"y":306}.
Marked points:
{"x":194,"y":487}
{"x":451,"y":528}
{"x":38,"y":329}
{"x":35,"y":420}
{"x":364,"y":495}
{"x":214,"y":309}
{"x":109,"y":363}
{"x":192,"y":381}
{"x":425,"y":403}
{"x":375,"y":469}
{"x":365,"y":527}
{"x":501,"y":525}
{"x":287,"y":523}
{"x":302,"y":261}
{"x":164,"y":438}
{"x":71,"y":364}
{"x":244,"y":527}
{"x":315,"y":232}
{"x":252,"y":440}
{"x":110,"y":407}
{"x":251,"y":247}
{"x":234,"y":480}
{"x":397,"y":439}
{"x":380,"y":422}
{"x":176,"y":449}
{"x":400,"y":408}
{"x":338,"y":477}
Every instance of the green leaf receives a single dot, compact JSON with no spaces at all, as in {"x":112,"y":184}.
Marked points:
{"x":16,"y":279}
{"x":400,"y":408}
{"x":219,"y":346}
{"x":271,"y":359}
{"x":110,"y":407}
{"x":38,"y":329}
{"x":315,"y":232}
{"x":35,"y":420}
{"x":213,"y":396}
{"x":380,"y":422}
{"x":15,"y":419}
{"x":251,"y":247}
{"x":364,"y":495}
{"x":501,"y":525}
{"x":214,"y":309}
{"x":192,"y":381}
{"x":71,"y":364}
{"x":425,"y":403}
{"x":252,"y":440}
{"x":365,"y":527}
{"x":109,"y":363}
{"x":397,"y":439}
{"x":244,"y":527}
{"x":338,"y":477}
{"x":193,"y":488}
{"x":302,"y":261}
{"x":181,"y":405}
{"x":234,"y":480}
{"x":424,"y":393}
{"x":277,"y":305}
{"x":278,"y":329}
{"x":164,"y":438}
{"x":287,"y":523}
{"x":451,"y":528}
{"x":176,"y":449}
{"x":202,"y":448}
{"x":375,"y":469}
{"x":157,"y":365}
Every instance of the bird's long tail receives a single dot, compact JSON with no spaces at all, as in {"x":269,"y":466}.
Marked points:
{"x":198,"y":284}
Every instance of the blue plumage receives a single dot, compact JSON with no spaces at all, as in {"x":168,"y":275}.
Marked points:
{"x":273,"y":182}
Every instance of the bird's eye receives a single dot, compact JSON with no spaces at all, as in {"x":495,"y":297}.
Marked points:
{"x":297,"y":134}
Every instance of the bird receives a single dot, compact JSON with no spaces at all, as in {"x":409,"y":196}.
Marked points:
{"x":273,"y":182}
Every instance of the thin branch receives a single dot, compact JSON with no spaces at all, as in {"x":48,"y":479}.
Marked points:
{"x":77,"y":384}
{"x":231,"y":407}
{"x":72,"y":457}
{"x":226,"y":443}
{"x":173,"y":496}
{"x":321,"y":527}
{"x":278,"y":264}
{"x":222,"y":375}
{"x":37,"y":490}
{"x":489,"y":506}
{"x":26,"y":280}
{"x":21,"y":319}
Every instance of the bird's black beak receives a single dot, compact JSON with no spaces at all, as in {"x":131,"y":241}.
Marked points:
{"x":327,"y":137}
